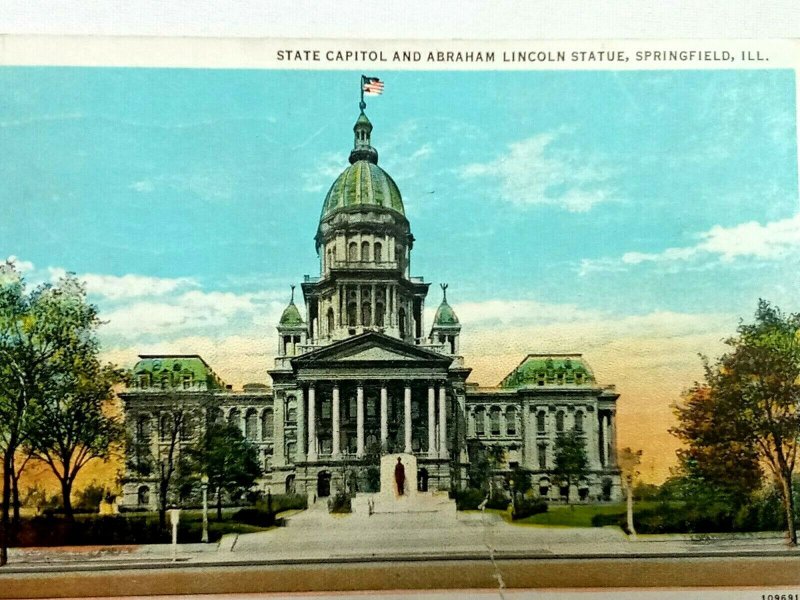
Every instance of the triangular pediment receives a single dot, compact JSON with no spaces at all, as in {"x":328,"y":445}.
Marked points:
{"x":372,"y":347}
{"x":376,"y":353}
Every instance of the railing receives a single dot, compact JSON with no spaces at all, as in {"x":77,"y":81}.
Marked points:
{"x":364,"y":264}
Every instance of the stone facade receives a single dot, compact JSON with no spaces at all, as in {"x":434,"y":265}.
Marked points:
{"x":361,"y":377}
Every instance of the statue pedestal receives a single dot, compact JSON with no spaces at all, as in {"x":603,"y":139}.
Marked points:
{"x":389,"y":500}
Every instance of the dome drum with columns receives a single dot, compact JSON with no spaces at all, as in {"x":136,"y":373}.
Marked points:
{"x":360,"y":375}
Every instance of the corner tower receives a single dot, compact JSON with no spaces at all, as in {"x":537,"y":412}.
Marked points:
{"x":364,"y":242}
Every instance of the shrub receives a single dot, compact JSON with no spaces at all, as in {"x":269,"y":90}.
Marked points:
{"x":525,"y":507}
{"x":255,"y":516}
{"x":499,"y":501}
{"x":281,"y":502}
{"x":339,"y":503}
{"x":468,"y":499}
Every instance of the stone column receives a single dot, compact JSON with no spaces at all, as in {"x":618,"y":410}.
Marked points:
{"x":358,"y":306}
{"x":591,"y":440}
{"x":612,"y":438}
{"x":360,"y":420}
{"x":372,"y":305}
{"x":407,"y":419}
{"x":312,"y":423}
{"x":384,"y":417}
{"x":278,"y":419}
{"x":300,"y":439}
{"x":443,"y":421}
{"x":604,"y":445}
{"x":432,"y":451}
{"x":336,"y":421}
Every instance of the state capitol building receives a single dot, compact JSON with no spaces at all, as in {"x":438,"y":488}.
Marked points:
{"x":358,"y":374}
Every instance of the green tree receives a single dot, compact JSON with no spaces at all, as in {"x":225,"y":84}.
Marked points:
{"x":754,"y":397}
{"x":71,"y":424}
{"x":37,"y":329}
{"x":570,"y":460}
{"x":230,"y":461}
{"x":484,"y":463}
{"x":714,"y":454}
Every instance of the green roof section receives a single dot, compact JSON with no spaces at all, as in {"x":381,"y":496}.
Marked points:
{"x":363,"y":184}
{"x":173,"y":367}
{"x":445,"y":315}
{"x":291,"y":315}
{"x":550,"y":369}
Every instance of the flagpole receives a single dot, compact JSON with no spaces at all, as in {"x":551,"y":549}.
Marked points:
{"x":362,"y":105}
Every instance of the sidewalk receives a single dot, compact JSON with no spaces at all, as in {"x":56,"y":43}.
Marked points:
{"x":314,"y":535}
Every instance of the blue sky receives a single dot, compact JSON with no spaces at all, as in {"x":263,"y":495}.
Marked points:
{"x":522,"y":184}
{"x":634,"y":216}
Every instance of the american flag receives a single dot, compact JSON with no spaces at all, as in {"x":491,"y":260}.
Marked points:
{"x":372,"y":86}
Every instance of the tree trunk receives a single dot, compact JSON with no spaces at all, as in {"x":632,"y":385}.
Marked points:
{"x":5,"y":521}
{"x":219,"y":504}
{"x":631,"y":528}
{"x":66,"y":494}
{"x":788,"y":505}
{"x":15,"y":501}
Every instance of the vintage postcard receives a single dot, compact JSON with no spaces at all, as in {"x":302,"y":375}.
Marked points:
{"x":308,"y":316}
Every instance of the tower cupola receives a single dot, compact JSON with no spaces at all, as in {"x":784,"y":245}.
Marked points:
{"x":446,"y":329}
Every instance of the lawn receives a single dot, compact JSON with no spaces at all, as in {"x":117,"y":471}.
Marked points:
{"x":577,"y":515}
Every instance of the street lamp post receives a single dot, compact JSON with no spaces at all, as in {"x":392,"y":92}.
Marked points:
{"x":204,"y":486}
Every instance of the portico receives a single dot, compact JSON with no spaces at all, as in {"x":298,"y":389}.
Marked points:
{"x":350,"y":418}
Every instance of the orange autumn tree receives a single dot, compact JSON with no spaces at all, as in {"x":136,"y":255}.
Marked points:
{"x":746,"y":414}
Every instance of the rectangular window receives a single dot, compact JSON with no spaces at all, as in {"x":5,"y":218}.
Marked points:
{"x":542,"y":456}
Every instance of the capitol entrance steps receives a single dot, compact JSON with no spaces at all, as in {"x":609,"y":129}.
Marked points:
{"x":390,"y":503}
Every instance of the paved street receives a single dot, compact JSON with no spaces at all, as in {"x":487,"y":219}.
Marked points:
{"x":314,"y":535}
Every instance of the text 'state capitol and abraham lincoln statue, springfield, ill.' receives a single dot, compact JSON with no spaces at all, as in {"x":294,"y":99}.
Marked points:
{"x":360,"y":376}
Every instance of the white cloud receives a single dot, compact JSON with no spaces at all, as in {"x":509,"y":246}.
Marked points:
{"x":772,"y":241}
{"x":114,"y":287}
{"x":23,"y":266}
{"x":535,"y":171}
{"x":220,"y":313}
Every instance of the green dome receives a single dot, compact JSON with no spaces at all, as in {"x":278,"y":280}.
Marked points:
{"x":363,"y":183}
{"x":445,"y":315}
{"x":291,"y":316}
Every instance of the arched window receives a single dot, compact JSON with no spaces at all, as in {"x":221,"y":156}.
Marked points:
{"x":379,"y":314}
{"x":351,"y":314}
{"x":578,"y":421}
{"x":143,"y":429}
{"x":267,"y":424}
{"x":187,"y":427}
{"x":235,"y":418}
{"x":511,"y":421}
{"x":542,"y":451}
{"x":251,"y":424}
{"x":560,"y":421}
{"x":213,"y":415}
{"x":494,"y":417}
{"x":366,"y":314}
{"x":480,"y":421}
{"x":540,"y":417}
{"x":330,"y":321}
{"x":352,"y":252}
{"x":401,"y":322}
{"x":377,"y":250}
{"x":165,"y":427}
{"x":364,"y":251}
{"x":143,"y":495}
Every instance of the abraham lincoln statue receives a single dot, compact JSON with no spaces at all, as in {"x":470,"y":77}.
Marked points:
{"x":400,"y":476}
